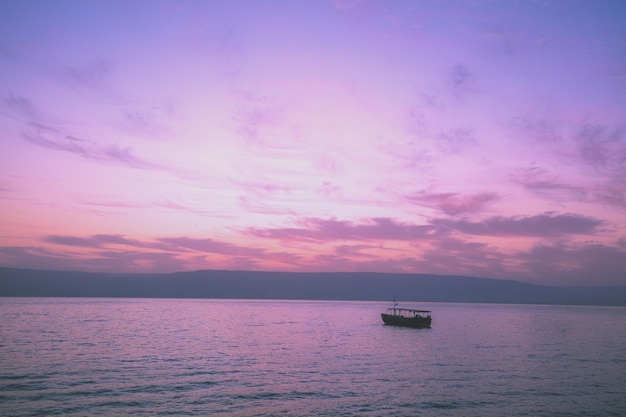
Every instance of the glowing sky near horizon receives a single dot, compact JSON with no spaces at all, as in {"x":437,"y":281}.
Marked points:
{"x":446,"y":137}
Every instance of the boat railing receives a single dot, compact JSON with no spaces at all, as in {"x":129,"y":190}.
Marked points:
{"x":408,"y":312}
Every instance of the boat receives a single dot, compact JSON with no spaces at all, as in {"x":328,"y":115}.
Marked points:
{"x":407,"y":317}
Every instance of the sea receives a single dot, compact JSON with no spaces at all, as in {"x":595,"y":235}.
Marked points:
{"x":207,"y":357}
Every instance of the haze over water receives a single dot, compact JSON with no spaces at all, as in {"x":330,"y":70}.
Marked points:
{"x":152,"y":357}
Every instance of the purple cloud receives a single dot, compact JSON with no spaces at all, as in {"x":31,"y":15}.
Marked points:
{"x":99,"y":253}
{"x":330,"y":230}
{"x":173,"y":244}
{"x":354,"y":250}
{"x":456,"y":256}
{"x":36,"y":257}
{"x":611,"y":196}
{"x":541,"y":225}
{"x":546,"y":185}
{"x":455,"y":203}
{"x":94,"y":241}
{"x":575,"y":264}
{"x":99,"y":261}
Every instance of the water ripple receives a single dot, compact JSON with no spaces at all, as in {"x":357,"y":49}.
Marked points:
{"x":248,"y":358}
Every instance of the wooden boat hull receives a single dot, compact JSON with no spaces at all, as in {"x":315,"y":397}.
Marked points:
{"x":415,"y":322}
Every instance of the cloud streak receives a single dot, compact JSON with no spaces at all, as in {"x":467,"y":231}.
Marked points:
{"x":95,"y":241}
{"x":332,"y":230}
{"x":55,"y":139}
{"x":541,"y":225}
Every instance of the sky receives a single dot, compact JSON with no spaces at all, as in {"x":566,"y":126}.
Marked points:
{"x":482,"y":138}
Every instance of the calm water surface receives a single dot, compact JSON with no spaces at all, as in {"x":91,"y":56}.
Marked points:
{"x":120,"y":357}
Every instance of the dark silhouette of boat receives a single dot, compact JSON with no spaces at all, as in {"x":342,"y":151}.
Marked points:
{"x":407,"y":317}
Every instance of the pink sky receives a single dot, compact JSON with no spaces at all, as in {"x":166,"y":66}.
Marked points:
{"x":446,"y":137}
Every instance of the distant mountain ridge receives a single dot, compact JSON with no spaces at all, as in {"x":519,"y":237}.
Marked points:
{"x":367,"y":286}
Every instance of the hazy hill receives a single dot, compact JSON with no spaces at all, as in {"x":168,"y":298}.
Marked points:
{"x":287,"y":285}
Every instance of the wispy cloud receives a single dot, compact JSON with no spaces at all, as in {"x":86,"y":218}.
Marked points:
{"x":21,"y":108}
{"x":58,"y":140}
{"x":546,"y":184}
{"x":41,"y":129}
{"x":93,"y":80}
{"x":170,"y":244}
{"x":541,"y":130}
{"x":257,"y":118}
{"x":604,"y":148}
{"x":143,"y":123}
{"x":455,"y":141}
{"x":411,"y":154}
{"x":459,"y":80}
{"x":549,"y":186}
{"x":163,"y":204}
{"x":261,"y":195}
{"x":254,"y":204}
{"x":209,"y":246}
{"x":431,"y":133}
